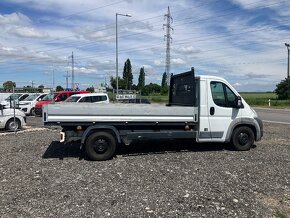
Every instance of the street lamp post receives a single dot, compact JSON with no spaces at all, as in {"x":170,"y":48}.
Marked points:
{"x":287,"y":45}
{"x":117,"y":78}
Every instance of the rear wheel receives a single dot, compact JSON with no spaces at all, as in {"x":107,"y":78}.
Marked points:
{"x":12,"y":126}
{"x":243,"y":138}
{"x":100,"y":146}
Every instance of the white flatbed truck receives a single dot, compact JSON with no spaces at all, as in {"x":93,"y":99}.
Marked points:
{"x":201,"y":108}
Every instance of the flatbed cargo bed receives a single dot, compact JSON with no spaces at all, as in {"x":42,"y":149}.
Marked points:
{"x":117,"y":112}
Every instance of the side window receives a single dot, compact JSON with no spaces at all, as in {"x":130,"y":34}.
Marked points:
{"x":23,"y":97}
{"x":63,"y":96}
{"x":99,"y":98}
{"x":85,"y":99}
{"x":104,"y":98}
{"x":95,"y":98}
{"x":218,"y":94}
{"x":222,"y":95}
{"x":231,"y":97}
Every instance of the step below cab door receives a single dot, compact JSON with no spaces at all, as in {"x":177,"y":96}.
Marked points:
{"x":222,"y":110}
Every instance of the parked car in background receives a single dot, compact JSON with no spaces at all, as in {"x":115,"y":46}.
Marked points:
{"x":89,"y":98}
{"x":137,"y":101}
{"x":14,"y":97}
{"x":56,"y":97}
{"x":4,"y":95}
{"x":7,"y":121}
{"x":28,"y":104}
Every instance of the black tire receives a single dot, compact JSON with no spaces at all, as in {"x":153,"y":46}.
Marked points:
{"x":243,"y":138}
{"x":11,"y":125}
{"x":32,"y":112}
{"x":100,"y":146}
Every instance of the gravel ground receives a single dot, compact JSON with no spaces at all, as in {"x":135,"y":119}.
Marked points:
{"x":40,"y":177}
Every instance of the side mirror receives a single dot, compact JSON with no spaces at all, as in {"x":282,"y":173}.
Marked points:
{"x":239,"y":103}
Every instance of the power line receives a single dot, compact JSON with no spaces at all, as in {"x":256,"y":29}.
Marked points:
{"x":138,"y":33}
{"x":187,"y":40}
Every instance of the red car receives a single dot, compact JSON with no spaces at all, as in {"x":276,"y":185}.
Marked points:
{"x":56,"y":97}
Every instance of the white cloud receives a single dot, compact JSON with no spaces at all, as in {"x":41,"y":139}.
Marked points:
{"x":28,"y":32}
{"x":14,"y":19}
{"x":177,"y":61}
{"x":215,"y":45}
{"x":185,"y":50}
{"x":158,"y":62}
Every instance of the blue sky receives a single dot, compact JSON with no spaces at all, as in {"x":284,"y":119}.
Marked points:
{"x":240,"y":40}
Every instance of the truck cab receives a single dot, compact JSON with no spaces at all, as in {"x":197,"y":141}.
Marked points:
{"x":222,"y":110}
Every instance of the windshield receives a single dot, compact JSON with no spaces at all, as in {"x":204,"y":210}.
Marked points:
{"x":13,"y":97}
{"x":49,"y":97}
{"x":31,"y":97}
{"x":72,"y":99}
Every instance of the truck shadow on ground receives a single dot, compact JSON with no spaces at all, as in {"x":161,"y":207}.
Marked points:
{"x":61,"y":151}
{"x":72,"y":150}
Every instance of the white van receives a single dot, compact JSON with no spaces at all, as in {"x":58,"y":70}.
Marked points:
{"x":7,"y":118}
{"x":89,"y":98}
{"x":28,"y":104}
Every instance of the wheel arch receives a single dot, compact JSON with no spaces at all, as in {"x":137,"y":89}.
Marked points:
{"x":248,"y":122}
{"x":95,"y":128}
{"x":12,"y":119}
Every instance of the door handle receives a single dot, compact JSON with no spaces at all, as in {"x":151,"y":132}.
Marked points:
{"x":211,"y":110}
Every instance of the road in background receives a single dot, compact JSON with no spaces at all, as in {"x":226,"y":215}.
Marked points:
{"x":274,"y":115}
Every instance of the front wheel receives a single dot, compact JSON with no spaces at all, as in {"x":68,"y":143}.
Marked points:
{"x":243,"y":138}
{"x":100,"y":146}
{"x":12,"y":126}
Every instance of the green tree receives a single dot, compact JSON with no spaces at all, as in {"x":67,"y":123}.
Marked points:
{"x":164,"y":90}
{"x":27,"y":89}
{"x":8,"y":85}
{"x":127,"y":74}
{"x":152,"y":88}
{"x":283,"y":89}
{"x":141,"y":79}
{"x":40,"y":88}
{"x":164,"y":80}
{"x":59,"y":88}
{"x":90,"y":89}
{"x":121,"y":83}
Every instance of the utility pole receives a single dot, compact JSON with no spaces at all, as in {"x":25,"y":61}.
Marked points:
{"x":117,"y":76}
{"x":66,"y":79}
{"x":72,"y":72}
{"x":168,"y":41}
{"x":53,"y":78}
{"x":287,"y":45}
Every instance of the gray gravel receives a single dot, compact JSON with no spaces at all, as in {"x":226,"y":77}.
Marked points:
{"x":40,"y":177}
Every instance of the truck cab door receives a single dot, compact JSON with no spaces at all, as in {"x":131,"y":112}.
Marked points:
{"x":222,"y":109}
